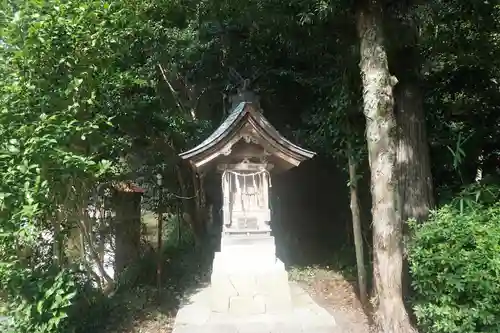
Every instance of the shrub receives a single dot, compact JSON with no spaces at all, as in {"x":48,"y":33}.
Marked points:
{"x":43,"y":300}
{"x":455,"y":266}
{"x":52,"y":301}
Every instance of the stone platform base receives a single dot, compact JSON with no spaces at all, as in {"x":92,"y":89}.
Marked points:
{"x":250,"y":293}
{"x":196,"y":316}
{"x":248,"y":279}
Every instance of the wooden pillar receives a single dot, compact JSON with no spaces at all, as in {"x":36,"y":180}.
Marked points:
{"x":265,"y":188}
{"x":226,"y":192}
{"x":127,"y":226}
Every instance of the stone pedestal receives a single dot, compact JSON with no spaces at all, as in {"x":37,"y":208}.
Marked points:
{"x":247,"y":278}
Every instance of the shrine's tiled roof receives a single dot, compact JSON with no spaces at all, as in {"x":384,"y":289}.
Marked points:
{"x":236,"y":114}
{"x":246,"y":113}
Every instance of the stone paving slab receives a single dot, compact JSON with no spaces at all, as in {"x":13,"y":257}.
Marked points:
{"x":306,"y":316}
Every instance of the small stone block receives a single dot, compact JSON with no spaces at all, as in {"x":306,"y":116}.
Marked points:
{"x":273,"y":283}
{"x":278,"y":305}
{"x":242,"y":306}
{"x":260,"y":303}
{"x":222,"y":286}
{"x":243,"y":284}
{"x":219,"y":303}
{"x":249,"y":262}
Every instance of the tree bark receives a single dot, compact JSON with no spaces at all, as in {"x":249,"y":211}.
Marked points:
{"x":415,"y":187}
{"x":159,"y":242}
{"x":186,"y":216}
{"x":416,"y":196}
{"x":57,"y":247}
{"x":85,"y":232}
{"x":390,"y":315}
{"x":199,"y":199}
{"x":356,"y":226}
{"x":413,"y":162}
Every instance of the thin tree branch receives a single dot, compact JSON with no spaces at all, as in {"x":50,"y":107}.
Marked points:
{"x":174,"y":93}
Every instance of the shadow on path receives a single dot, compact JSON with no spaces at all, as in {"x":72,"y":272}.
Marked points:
{"x":330,"y":277}
{"x":139,"y":306}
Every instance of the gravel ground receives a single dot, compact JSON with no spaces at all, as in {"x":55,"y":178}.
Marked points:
{"x":336,"y":294}
{"x":141,"y":313}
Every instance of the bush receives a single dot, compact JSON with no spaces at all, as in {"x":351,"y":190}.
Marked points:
{"x":455,"y":266}
{"x":52,"y":301}
{"x":40,"y":302}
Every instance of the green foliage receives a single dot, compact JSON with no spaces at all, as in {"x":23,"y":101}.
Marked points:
{"x":455,"y":266}
{"x":177,"y":233}
{"x":177,"y":237}
{"x":44,"y":300}
{"x":79,"y":93}
{"x":460,"y":60}
{"x":470,"y":196}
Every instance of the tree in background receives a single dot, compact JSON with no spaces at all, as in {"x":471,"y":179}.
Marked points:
{"x":415,"y":183}
{"x":381,"y":136}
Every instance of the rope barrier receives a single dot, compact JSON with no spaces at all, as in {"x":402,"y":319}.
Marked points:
{"x":230,"y":177}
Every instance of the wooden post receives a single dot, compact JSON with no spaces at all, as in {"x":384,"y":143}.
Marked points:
{"x":356,"y":226}
{"x":127,"y":226}
{"x":179,"y":221}
{"x":226,"y":196}
{"x":160,"y":233}
{"x":265,"y":188}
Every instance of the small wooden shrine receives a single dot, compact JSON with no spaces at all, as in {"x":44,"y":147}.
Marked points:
{"x":246,"y":149}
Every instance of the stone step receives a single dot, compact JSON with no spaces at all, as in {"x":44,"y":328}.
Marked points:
{"x":247,"y":242}
{"x":236,"y":262}
{"x":195,"y":316}
{"x":244,"y":238}
{"x":250,"y":292}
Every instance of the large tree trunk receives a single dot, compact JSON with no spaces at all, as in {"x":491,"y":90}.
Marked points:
{"x":415,"y":188}
{"x":413,"y":162}
{"x":390,"y":315}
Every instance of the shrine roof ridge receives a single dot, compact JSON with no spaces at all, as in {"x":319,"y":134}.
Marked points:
{"x":235,"y":114}
{"x":246,"y":113}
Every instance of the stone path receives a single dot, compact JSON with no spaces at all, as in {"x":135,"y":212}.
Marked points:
{"x":306,"y":316}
